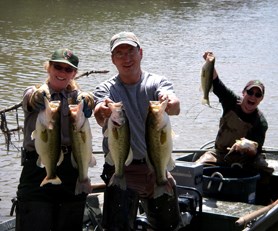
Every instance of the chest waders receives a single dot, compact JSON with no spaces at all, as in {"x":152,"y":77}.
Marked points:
{"x":231,"y":128}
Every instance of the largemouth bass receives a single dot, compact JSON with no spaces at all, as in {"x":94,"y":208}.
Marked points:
{"x":207,"y":78}
{"x":48,"y":141}
{"x":159,"y":143}
{"x":244,"y":145}
{"x":120,"y":153}
{"x":82,"y":153}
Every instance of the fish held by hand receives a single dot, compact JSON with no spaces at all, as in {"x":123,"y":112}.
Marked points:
{"x":82,"y":154}
{"x":48,"y":141}
{"x":207,"y":77}
{"x":159,"y":145}
{"x":118,"y":134}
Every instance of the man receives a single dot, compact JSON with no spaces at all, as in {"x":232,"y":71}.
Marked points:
{"x":135,"y":88}
{"x":242,"y":128}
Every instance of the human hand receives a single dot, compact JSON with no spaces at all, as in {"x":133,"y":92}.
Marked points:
{"x":102,"y":112}
{"x":208,"y":54}
{"x":105,"y":110}
{"x":173,"y":103}
{"x":163,"y":97}
{"x":88,"y":99}
{"x":88,"y":103}
{"x":37,"y":99}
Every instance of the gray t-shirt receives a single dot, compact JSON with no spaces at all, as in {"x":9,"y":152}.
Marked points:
{"x":135,"y":99}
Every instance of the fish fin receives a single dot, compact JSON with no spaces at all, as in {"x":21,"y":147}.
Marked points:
{"x":206,"y":102}
{"x":148,"y":161}
{"x":39,"y":163}
{"x":54,"y":181}
{"x":105,"y":134}
{"x":61,"y":158}
{"x":159,"y":190}
{"x":129,"y":158}
{"x":83,"y":186}
{"x":171,"y":164}
{"x":93,"y":161}
{"x":33,"y":135}
{"x":44,"y":135}
{"x":119,"y":181}
{"x":173,"y":134}
{"x":109,"y":160}
{"x":73,"y":162}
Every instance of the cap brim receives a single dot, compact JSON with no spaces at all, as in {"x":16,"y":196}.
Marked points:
{"x":251,"y":86}
{"x":134,"y":44}
{"x":63,"y":61}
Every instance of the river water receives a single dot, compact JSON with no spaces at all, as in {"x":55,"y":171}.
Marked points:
{"x":173,"y":33}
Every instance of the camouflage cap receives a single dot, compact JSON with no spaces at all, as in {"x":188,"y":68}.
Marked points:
{"x":65,"y":56}
{"x":124,"y":38}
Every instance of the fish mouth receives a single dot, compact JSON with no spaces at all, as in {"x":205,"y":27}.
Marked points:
{"x":116,"y":124}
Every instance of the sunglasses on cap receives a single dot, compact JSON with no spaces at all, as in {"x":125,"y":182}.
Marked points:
{"x":257,"y":94}
{"x":60,"y":68}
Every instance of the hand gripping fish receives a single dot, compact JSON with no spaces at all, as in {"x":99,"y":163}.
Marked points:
{"x":48,"y":141}
{"x":82,"y":154}
{"x":207,"y":78}
{"x":244,"y":145}
{"x":120,"y":153}
{"x":159,"y":145}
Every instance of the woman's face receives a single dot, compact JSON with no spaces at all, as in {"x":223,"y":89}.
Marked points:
{"x":60,"y":74}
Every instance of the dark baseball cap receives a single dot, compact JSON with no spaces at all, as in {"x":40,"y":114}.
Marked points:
{"x":65,"y":56}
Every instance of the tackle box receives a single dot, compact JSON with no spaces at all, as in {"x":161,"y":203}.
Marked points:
{"x":189,"y":174}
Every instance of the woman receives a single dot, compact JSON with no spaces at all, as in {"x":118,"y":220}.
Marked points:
{"x":51,"y":206}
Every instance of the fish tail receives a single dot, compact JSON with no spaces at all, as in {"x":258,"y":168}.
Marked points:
{"x":83,"y":186}
{"x":93,"y":161}
{"x":118,"y":181}
{"x":55,"y":181}
{"x":205,"y":102}
{"x":161,"y":177}
{"x":162,"y":181}
{"x":159,"y":190}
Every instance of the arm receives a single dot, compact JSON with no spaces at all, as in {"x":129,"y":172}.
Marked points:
{"x":226,"y":96}
{"x":165,"y":90}
{"x":258,"y":131}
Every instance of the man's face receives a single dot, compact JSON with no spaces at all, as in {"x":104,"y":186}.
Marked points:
{"x":127,"y":59}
